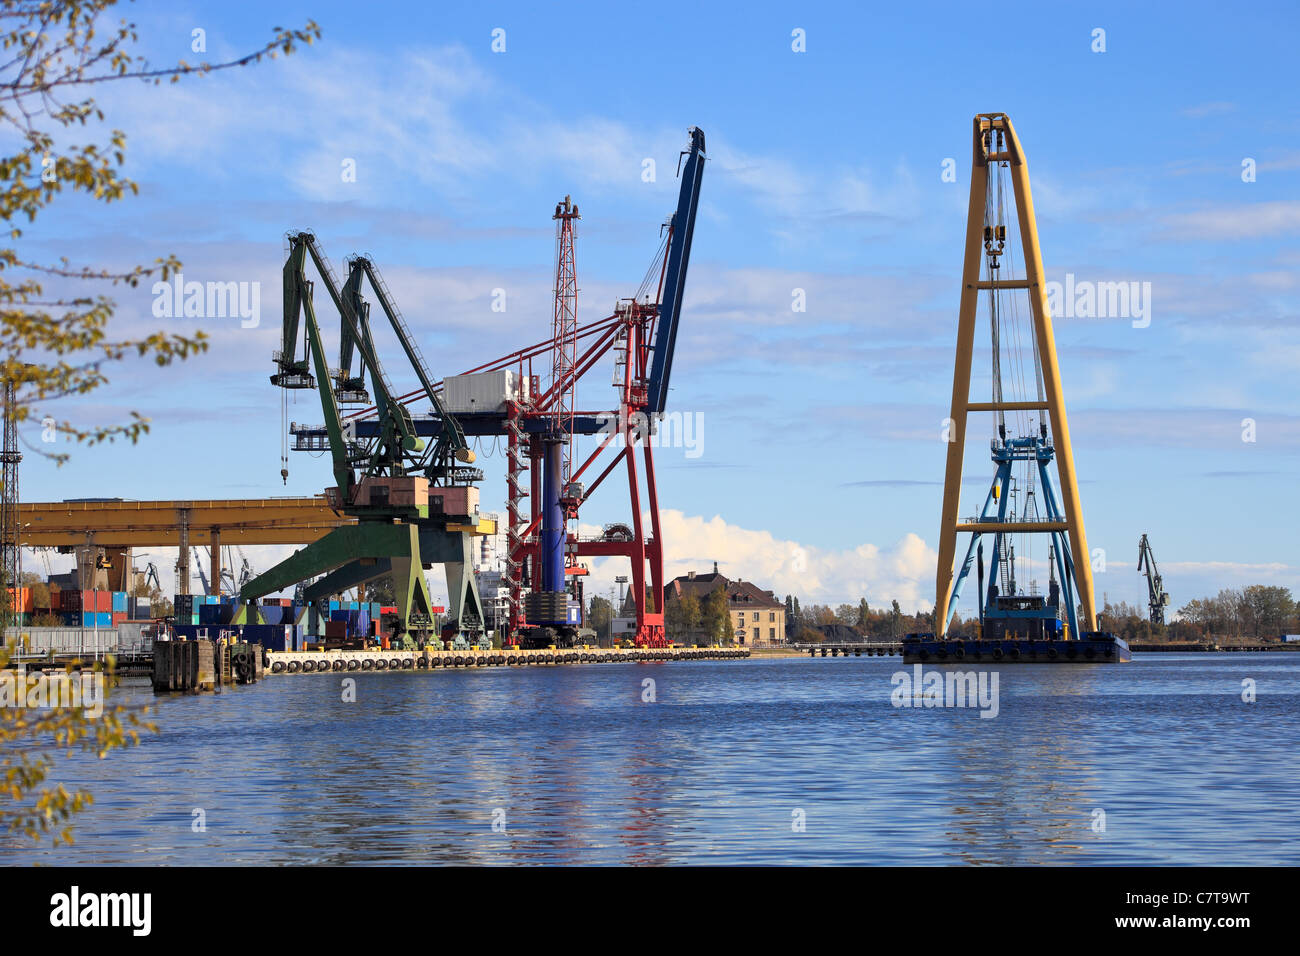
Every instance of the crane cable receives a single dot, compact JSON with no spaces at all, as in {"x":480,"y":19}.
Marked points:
{"x":284,"y":436}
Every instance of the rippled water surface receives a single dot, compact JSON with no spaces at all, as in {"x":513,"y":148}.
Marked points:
{"x":581,"y":770}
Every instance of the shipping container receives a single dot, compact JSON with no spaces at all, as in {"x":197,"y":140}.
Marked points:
{"x":117,"y":617}
{"x":119,"y":602}
{"x":104,"y":602}
{"x":454,"y":500}
{"x":20,"y":600}
{"x":483,"y":391}
{"x":216,"y":614}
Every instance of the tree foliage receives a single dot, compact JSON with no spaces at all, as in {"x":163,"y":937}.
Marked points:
{"x":30,"y":740}
{"x":55,"y":344}
{"x":600,"y":616}
{"x":58,"y":343}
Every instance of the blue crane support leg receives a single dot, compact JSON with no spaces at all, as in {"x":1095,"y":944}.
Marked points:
{"x":552,"y":522}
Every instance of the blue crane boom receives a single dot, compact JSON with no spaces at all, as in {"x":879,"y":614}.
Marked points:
{"x":679,"y":254}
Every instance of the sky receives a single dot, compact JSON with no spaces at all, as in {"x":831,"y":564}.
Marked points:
{"x":1170,"y":156}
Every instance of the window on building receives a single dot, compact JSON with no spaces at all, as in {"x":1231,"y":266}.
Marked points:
{"x":771,"y":634}
{"x":771,"y":615}
{"x":755,"y":615}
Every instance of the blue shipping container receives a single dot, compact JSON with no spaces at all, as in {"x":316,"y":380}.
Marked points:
{"x":119,"y":602}
{"x":216,"y":614}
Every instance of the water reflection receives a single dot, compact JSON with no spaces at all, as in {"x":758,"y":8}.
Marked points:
{"x":582,"y":771}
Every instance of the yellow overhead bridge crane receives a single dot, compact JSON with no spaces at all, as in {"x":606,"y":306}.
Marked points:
{"x":114,"y":526}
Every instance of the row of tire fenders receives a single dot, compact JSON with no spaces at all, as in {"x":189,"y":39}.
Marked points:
{"x":310,"y":665}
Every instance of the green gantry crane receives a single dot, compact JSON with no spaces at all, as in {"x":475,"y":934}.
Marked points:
{"x":415,"y":501}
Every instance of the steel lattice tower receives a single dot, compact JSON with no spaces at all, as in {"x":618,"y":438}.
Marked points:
{"x":10,"y":553}
{"x":566,"y":331}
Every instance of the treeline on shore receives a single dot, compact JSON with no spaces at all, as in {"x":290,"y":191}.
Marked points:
{"x":1255,"y":613}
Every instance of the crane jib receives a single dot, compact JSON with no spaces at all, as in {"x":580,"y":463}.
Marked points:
{"x":679,"y":252}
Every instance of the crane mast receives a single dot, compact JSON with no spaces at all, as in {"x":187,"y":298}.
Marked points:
{"x":1157,"y":597}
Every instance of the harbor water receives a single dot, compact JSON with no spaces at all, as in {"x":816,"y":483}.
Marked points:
{"x":798,"y":761}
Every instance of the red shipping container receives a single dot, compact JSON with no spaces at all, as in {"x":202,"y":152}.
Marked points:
{"x":69,"y":600}
{"x":118,"y":618}
{"x":88,"y":601}
{"x":21,"y":600}
{"x":104,"y":602}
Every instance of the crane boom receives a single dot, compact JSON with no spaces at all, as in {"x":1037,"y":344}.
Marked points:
{"x":678,"y":257}
{"x":451,"y":442}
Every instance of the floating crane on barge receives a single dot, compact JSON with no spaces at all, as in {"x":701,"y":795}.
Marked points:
{"x":1031,"y":433}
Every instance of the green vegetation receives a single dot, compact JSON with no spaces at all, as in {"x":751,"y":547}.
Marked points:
{"x":57,"y":344}
{"x":1255,"y":613}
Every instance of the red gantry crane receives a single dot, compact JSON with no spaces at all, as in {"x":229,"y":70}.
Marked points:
{"x":544,"y":480}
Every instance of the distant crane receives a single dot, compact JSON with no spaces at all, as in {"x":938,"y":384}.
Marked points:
{"x":203,"y":578}
{"x":151,"y":577}
{"x":228,"y":580}
{"x":1157,"y":597}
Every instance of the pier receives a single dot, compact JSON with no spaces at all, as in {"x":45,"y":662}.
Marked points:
{"x":318,"y":662}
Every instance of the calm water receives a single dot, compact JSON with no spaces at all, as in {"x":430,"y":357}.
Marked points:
{"x":711,"y":772}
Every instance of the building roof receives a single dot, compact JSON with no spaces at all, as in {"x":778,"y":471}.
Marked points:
{"x":741,"y":595}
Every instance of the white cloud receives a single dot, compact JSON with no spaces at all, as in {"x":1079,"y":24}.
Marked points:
{"x":1239,"y":221}
{"x":903,"y":571}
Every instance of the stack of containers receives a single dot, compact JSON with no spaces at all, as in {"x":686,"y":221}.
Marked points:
{"x":69,"y":607}
{"x":273,"y":637}
{"x":216,"y":614}
{"x":356,"y":622}
{"x":118,"y":607}
{"x":186,"y":608}
{"x":20,"y":600}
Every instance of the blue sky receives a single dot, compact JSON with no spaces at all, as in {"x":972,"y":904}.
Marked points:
{"x":821,"y":462}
